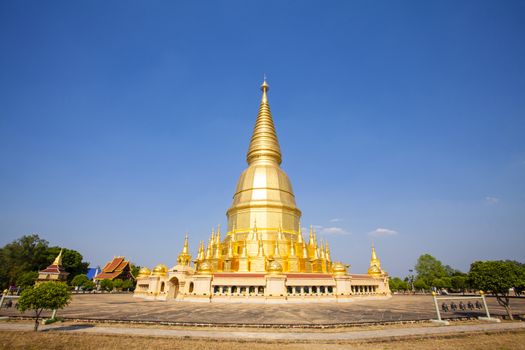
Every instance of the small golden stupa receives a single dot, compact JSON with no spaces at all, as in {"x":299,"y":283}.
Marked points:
{"x":54,"y":272}
{"x":263,"y":255}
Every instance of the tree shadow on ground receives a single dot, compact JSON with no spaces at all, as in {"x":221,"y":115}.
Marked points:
{"x":74,"y":327}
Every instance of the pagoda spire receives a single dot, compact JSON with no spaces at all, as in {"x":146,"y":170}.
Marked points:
{"x":185,"y":249}
{"x":58,"y":259}
{"x":374,"y":260}
{"x":311,"y":240}
{"x":184,"y":257}
{"x":375,"y":264}
{"x":264,"y":143}
{"x":300,"y":235}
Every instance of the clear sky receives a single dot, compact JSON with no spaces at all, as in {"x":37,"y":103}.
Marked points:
{"x":124,"y":124}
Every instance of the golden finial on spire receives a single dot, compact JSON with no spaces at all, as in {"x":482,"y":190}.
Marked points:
{"x":311,"y":238}
{"x":264,"y":143}
{"x":327,"y":251}
{"x":200,"y":255}
{"x":244,"y":252}
{"x":260,"y":251}
{"x":209,"y":252}
{"x":230,"y":250}
{"x":184,"y":257}
{"x":305,"y":251}
{"x":292,"y":249}
{"x":300,"y":234}
{"x":375,"y":264}
{"x":374,"y":258}
{"x":185,"y":249}
{"x":276,"y":250}
{"x":58,"y":259}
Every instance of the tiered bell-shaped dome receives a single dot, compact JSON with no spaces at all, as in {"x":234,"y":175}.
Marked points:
{"x":264,"y":195}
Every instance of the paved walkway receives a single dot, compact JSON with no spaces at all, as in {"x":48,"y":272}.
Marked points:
{"x":272,"y":336}
{"x":398,"y":308}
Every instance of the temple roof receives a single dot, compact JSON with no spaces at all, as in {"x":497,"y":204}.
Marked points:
{"x":113,"y":268}
{"x":54,"y":269}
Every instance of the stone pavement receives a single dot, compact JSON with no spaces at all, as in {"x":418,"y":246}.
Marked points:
{"x":125,"y":307}
{"x":292,"y":336}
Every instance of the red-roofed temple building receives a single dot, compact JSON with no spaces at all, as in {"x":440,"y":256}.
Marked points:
{"x":118,"y":268}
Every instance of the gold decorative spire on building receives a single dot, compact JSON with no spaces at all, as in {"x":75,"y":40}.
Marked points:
{"x":209,"y":252}
{"x":292,"y":249}
{"x":58,"y":259}
{"x":184,"y":257}
{"x":264,"y":143}
{"x":185,"y":249}
{"x":375,"y":265}
{"x":260,"y":250}
{"x":218,"y":237}
{"x":300,"y":235}
{"x":244,"y":253}
{"x":305,"y":251}
{"x":327,"y":250}
{"x":229,"y":256}
{"x":276,"y":250}
{"x":200,"y":254}
{"x":264,"y":193}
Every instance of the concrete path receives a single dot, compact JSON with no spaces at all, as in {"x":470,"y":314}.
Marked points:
{"x":271,"y":336}
{"x":398,"y":308}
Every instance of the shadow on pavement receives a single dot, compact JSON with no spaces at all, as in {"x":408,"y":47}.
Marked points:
{"x":74,"y":327}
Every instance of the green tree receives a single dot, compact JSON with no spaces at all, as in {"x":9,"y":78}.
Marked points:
{"x":22,"y":255}
{"x":420,"y":284}
{"x":26,"y":279}
{"x":45,"y":296}
{"x":459,"y":283}
{"x":31,"y":253}
{"x":447,"y":282}
{"x":520,"y":283}
{"x":496,"y":277}
{"x":79,"y":280}
{"x":106,"y":285}
{"x":88,"y":285}
{"x":397,"y":284}
{"x":450,"y":271}
{"x":438,"y":283}
{"x":429,"y":268}
{"x":135,"y":270}
{"x":117,"y":283}
{"x":393,"y":283}
{"x":128,"y":285}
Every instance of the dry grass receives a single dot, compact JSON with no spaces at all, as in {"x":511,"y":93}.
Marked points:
{"x":57,"y":340}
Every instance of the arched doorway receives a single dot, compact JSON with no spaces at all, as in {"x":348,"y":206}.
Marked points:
{"x":174,"y":288}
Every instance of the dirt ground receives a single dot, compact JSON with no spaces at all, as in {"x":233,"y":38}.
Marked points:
{"x":56,"y":340}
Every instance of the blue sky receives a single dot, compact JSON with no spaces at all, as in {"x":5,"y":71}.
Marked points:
{"x":124,"y":124}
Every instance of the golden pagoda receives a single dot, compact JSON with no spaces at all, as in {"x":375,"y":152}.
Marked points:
{"x":263,"y":255}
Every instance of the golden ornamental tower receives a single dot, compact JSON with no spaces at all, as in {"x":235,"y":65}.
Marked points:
{"x":375,"y":265}
{"x":263,"y":220}
{"x":262,"y":255}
